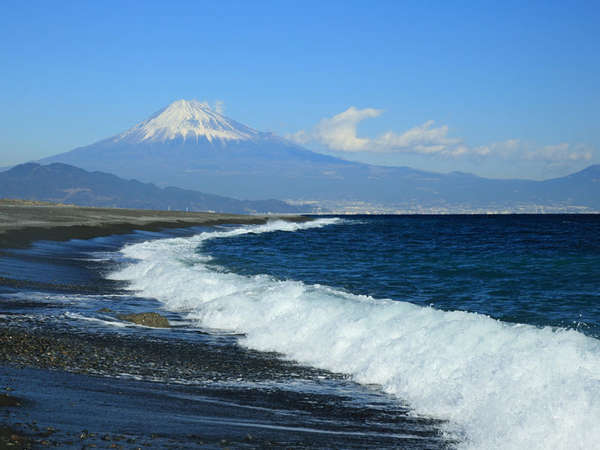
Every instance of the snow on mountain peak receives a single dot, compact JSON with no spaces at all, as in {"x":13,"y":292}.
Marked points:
{"x":188,"y":119}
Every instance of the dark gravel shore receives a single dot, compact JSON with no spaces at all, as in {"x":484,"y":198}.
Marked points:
{"x":147,"y":357}
{"x":65,"y":384}
{"x":32,"y":345}
{"x":70,"y":389}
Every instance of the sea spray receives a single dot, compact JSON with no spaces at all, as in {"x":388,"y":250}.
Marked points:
{"x":503,"y":385}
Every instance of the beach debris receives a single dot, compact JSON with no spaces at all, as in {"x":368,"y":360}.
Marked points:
{"x":149,"y":319}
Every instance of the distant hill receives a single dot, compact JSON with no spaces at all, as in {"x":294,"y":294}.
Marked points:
{"x":189,"y":145}
{"x":64,"y":183}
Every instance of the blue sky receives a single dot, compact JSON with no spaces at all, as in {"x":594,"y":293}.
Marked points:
{"x":502,"y":89}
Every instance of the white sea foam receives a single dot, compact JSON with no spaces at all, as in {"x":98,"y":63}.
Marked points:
{"x":503,"y":385}
{"x":109,"y":322}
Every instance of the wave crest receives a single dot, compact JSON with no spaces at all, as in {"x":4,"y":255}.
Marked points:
{"x":503,"y":385}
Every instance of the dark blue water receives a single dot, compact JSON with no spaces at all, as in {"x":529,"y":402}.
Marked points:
{"x":63,"y":287}
{"x":439,"y":378}
{"x":535,"y":269}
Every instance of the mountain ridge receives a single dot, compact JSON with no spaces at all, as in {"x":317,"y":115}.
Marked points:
{"x":176,"y":151}
{"x":62,"y":183}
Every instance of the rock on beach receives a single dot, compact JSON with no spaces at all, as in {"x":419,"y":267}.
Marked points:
{"x":148,"y":319}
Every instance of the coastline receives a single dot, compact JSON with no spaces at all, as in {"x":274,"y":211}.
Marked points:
{"x":68,"y":389}
{"x":22,"y":222}
{"x":44,"y":371}
{"x":58,"y":385}
{"x":68,"y":385}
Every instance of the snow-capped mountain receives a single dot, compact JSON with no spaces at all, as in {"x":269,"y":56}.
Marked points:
{"x":191,"y":146}
{"x":187,"y":120}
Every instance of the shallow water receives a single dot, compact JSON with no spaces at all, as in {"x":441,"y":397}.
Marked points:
{"x":229,"y":391}
{"x":488,"y":323}
{"x":475,"y":330}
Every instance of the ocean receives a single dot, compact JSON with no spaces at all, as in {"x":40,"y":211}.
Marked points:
{"x":409,"y":331}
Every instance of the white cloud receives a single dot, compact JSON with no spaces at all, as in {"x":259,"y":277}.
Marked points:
{"x":300,"y":137}
{"x":421,"y":139}
{"x":339,"y":133}
{"x":219,"y":106}
{"x":562,"y":152}
{"x":517,"y":149}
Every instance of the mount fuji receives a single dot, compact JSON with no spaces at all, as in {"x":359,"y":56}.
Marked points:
{"x":183,"y":120}
{"x":191,"y":146}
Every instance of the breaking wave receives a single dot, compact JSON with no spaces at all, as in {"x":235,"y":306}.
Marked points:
{"x":499,"y":385}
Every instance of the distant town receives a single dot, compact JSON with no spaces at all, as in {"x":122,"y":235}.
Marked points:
{"x":360,"y":207}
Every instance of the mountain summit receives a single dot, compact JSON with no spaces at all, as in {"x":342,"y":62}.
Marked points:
{"x":189,"y":145}
{"x":187,"y":120}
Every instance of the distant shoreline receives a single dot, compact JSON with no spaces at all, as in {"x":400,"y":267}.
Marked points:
{"x":22,"y":221}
